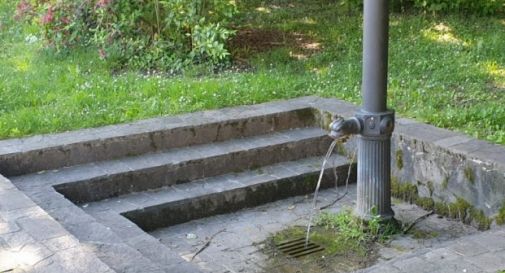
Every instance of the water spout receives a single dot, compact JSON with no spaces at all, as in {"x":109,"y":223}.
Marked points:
{"x":316,"y":192}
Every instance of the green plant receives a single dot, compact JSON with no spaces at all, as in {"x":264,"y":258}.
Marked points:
{"x":500,"y":218}
{"x":350,"y":227}
{"x":63,"y":23}
{"x":479,"y":7}
{"x":146,"y":34}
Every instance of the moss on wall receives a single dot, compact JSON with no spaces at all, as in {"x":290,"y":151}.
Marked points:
{"x":469,"y":175}
{"x":399,"y":159}
{"x":460,"y":209}
{"x":500,"y":218}
{"x":431,"y":187}
{"x":445,"y":183}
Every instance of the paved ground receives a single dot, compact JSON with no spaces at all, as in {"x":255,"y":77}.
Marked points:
{"x":32,"y":241}
{"x":443,"y":246}
{"x":481,"y":252}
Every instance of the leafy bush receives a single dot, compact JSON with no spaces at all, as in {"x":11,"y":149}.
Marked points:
{"x":147,"y":34}
{"x":479,"y":7}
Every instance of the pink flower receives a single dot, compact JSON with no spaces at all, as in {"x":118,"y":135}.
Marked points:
{"x":48,"y":17}
{"x":22,"y":9}
{"x":103,"y":3}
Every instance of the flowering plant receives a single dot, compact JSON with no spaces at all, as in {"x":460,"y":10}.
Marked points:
{"x":148,"y":34}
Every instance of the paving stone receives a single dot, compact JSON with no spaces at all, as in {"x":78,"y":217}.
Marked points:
{"x":8,"y":227}
{"x":489,"y":262}
{"x":382,"y":269}
{"x":415,"y":264}
{"x":18,"y":240}
{"x":61,"y":243}
{"x":152,"y":249}
{"x":489,"y":241}
{"x":13,"y":199}
{"x":8,"y":260}
{"x":441,"y":255}
{"x":31,"y":254}
{"x":13,"y":215}
{"x":404,"y":243}
{"x":72,"y":215}
{"x":71,"y":260}
{"x":51,"y":266}
{"x":42,"y":227}
{"x":48,"y":198}
{"x":457,"y":266}
{"x":388,"y":253}
{"x":466,"y":248}
{"x":74,"y":259}
{"x":5,"y":184}
{"x":122,"y":258}
{"x":118,"y":224}
{"x":93,"y":232}
{"x":3,"y":244}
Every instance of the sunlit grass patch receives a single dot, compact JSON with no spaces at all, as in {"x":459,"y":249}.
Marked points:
{"x":444,"y":70}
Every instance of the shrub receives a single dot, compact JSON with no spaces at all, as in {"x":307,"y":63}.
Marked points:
{"x":479,"y":7}
{"x":146,"y":34}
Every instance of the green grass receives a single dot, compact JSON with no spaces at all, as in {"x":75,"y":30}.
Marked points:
{"x":447,"y":70}
{"x":343,"y":234}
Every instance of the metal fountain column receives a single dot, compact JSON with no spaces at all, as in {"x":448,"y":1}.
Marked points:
{"x":373,"y":123}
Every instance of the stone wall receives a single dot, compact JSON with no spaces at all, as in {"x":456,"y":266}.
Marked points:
{"x":445,"y":166}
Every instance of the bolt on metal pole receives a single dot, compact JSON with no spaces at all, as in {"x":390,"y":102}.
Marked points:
{"x":374,"y":142}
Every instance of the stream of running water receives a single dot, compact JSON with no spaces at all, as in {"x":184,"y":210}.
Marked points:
{"x":314,"y":201}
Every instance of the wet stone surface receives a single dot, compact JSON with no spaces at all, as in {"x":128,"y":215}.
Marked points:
{"x":240,"y":242}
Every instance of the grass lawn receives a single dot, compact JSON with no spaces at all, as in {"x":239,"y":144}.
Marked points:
{"x":445,"y":70}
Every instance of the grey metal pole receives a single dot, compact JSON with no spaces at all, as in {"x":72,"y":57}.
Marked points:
{"x":375,"y":55}
{"x":374,"y":122}
{"x":374,"y":146}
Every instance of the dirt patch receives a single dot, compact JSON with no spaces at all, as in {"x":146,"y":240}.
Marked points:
{"x":250,"y":41}
{"x":338,"y":256}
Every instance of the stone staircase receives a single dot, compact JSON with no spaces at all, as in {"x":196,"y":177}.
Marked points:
{"x":110,"y":185}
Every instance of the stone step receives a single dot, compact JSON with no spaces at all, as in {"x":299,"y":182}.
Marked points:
{"x":96,"y":181}
{"x":225,"y":193}
{"x":54,"y":151}
{"x":121,"y":251}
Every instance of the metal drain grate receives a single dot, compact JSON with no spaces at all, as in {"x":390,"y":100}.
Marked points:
{"x":296,"y":248}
